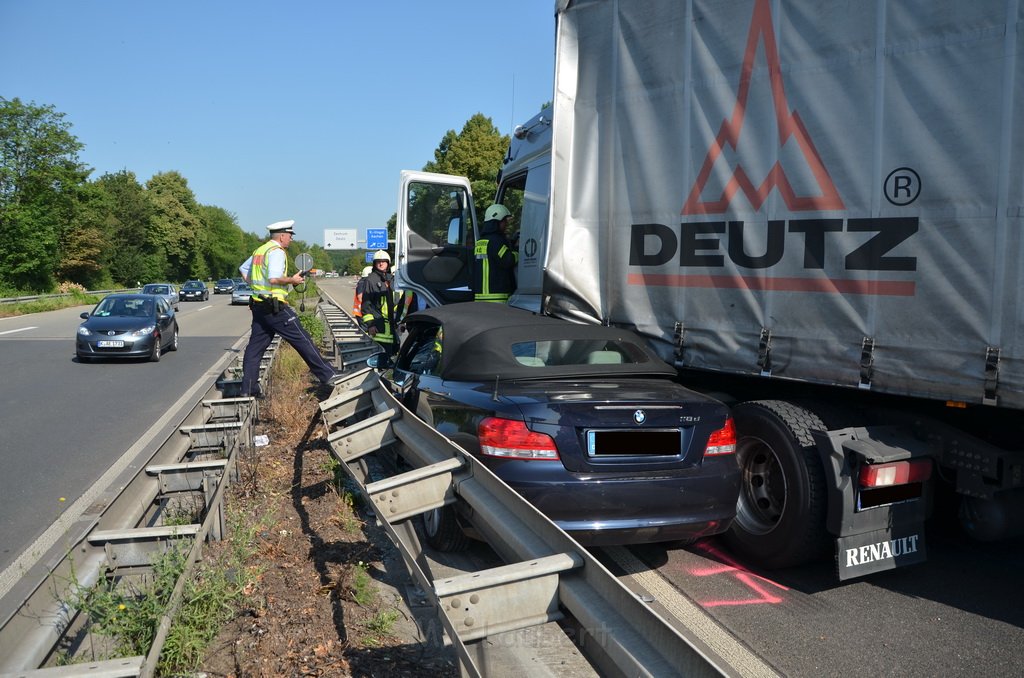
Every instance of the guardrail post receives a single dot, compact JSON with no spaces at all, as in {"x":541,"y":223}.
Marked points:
{"x":414,"y":492}
{"x":364,"y":436}
{"x":505,"y":598}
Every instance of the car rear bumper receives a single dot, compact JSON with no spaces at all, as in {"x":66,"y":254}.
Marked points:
{"x":636,"y":510}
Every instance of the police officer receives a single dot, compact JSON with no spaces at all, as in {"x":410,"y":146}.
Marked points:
{"x":379,"y":303}
{"x":494,"y":276}
{"x":267,"y":272}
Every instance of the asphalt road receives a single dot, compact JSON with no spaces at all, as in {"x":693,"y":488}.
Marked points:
{"x":959,"y":614}
{"x":63,"y":424}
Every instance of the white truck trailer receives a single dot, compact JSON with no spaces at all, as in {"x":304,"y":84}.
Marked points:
{"x":813,"y":209}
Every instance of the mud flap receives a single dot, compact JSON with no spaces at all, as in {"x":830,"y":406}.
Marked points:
{"x":882,"y":537}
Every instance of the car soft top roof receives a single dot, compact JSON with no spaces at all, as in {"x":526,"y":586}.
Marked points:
{"x":477,"y":337}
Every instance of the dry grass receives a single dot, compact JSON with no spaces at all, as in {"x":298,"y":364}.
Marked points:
{"x":317,"y":608}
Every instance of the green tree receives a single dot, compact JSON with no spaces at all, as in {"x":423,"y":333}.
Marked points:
{"x":475,"y":153}
{"x":40,"y":176}
{"x":225,"y":244}
{"x":83,"y":254}
{"x":177,"y":227}
{"x":131,"y":255}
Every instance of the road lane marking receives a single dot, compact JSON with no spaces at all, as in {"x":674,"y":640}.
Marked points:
{"x":690,"y":615}
{"x":20,"y":329}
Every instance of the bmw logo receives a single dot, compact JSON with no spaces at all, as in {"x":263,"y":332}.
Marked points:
{"x":639,"y":416}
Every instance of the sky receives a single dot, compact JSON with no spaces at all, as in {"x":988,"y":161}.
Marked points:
{"x":303,"y":110}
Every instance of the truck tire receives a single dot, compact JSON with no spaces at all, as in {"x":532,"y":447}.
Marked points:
{"x":780,"y":514}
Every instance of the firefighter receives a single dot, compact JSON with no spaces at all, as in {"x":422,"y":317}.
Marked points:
{"x":378,"y":307}
{"x":494,"y":275}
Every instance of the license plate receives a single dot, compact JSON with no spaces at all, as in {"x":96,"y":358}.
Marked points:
{"x":632,"y":443}
{"x":110,"y":343}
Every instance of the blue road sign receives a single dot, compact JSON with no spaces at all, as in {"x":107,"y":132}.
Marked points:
{"x":376,"y":238}
{"x":369,"y":257}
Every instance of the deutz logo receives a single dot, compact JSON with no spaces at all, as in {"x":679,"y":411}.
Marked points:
{"x":790,"y":129}
{"x":815,"y":253}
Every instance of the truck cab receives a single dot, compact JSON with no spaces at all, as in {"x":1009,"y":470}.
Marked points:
{"x":437,"y":223}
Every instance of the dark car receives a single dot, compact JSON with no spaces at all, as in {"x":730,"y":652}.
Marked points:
{"x":166,"y":290}
{"x":194,"y":290}
{"x":586,"y":422}
{"x":224,"y":286}
{"x":128,"y":326}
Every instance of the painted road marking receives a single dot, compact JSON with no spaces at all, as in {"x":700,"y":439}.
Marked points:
{"x":689,"y":615}
{"x":20,"y":329}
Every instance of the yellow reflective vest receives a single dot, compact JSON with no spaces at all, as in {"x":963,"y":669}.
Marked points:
{"x":259,"y":273}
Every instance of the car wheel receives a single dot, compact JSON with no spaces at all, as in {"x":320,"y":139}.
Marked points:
{"x":154,"y":357}
{"x":441,"y":526}
{"x":174,"y":340}
{"x":780,"y":513}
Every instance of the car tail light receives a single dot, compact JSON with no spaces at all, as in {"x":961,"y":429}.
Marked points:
{"x":511,"y":439}
{"x":722,"y":441}
{"x":895,"y":473}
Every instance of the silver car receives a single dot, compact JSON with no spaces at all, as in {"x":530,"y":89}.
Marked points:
{"x":166,"y":290}
{"x":241,"y":294}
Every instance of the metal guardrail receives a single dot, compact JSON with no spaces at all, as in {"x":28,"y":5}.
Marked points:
{"x":62,"y":295}
{"x":123,"y":540}
{"x":547,"y":576}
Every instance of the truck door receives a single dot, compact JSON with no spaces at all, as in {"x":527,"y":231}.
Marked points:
{"x":434,"y":238}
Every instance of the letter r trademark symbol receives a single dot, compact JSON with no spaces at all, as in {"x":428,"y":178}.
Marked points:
{"x":902,"y":186}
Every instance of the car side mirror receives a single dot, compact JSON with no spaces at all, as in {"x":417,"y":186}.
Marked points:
{"x":84,"y":316}
{"x":379,"y":361}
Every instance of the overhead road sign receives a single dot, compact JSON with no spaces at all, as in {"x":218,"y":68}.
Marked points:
{"x":340,"y":239}
{"x":376,"y":238}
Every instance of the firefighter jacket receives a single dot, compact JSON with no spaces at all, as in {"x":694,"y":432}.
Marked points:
{"x":379,"y":306}
{"x":494,"y":272}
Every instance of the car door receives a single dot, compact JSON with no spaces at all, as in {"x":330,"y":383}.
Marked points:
{"x":164,"y":319}
{"x":435,"y":233}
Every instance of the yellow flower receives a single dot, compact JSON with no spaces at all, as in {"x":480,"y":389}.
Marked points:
{"x":122,"y":606}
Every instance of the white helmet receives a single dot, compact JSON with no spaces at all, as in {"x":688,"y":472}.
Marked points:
{"x":496,"y":212}
{"x":381,"y":254}
{"x":366,"y":271}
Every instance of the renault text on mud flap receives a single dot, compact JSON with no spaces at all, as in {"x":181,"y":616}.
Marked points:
{"x":884,"y":550}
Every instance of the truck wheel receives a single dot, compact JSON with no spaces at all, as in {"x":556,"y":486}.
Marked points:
{"x":780,"y":514}
{"x":443,"y":530}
